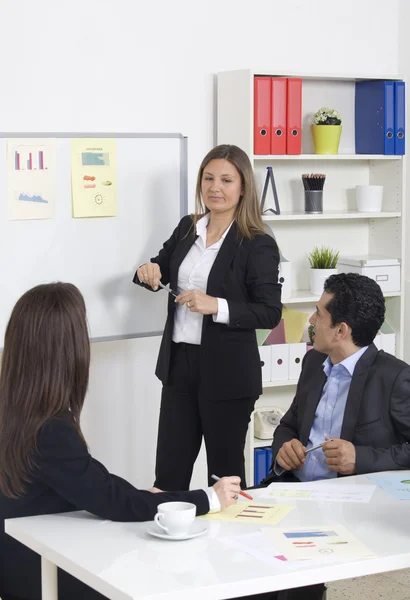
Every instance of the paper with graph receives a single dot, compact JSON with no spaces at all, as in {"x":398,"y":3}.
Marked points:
{"x":317,"y":542}
{"x":320,"y":491}
{"x":253,"y":512}
{"x":94,"y":177}
{"x":31,"y":178}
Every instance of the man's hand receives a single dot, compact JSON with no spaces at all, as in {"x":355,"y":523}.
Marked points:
{"x":291,"y":455}
{"x":340,"y":456}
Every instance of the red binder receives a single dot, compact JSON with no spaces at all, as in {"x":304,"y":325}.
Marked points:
{"x":278,"y":118}
{"x":294,"y":124}
{"x":262,"y":115}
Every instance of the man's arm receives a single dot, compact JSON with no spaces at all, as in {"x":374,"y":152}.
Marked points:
{"x":370,"y":459}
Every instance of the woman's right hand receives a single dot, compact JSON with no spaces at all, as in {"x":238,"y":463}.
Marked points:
{"x":227,"y":490}
{"x":150,"y":274}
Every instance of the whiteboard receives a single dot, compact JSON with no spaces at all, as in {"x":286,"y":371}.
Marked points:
{"x":100,"y":255}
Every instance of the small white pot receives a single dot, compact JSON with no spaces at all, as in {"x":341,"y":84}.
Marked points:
{"x":369,"y":198}
{"x":318,"y":278}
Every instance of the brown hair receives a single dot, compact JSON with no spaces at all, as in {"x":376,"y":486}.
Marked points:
{"x":248,"y":213}
{"x":44,"y":373}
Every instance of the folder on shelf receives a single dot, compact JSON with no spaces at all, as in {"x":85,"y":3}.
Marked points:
{"x":268,"y":459}
{"x":260,"y":465}
{"x":276,"y":335}
{"x":262,"y":115}
{"x":278,"y":115}
{"x":294,"y":116}
{"x":399,"y":117}
{"x":374,"y":117}
{"x":295,"y":323}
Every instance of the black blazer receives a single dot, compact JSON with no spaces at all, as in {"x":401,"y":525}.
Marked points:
{"x":377,"y":414}
{"x":245,"y":273}
{"x":67,"y":478}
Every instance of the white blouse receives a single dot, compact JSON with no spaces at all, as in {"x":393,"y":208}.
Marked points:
{"x":193,"y":275}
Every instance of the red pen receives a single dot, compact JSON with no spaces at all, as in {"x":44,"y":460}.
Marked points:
{"x":244,"y":494}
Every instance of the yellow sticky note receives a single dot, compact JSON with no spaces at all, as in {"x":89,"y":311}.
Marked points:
{"x":94,"y":177}
{"x":295,"y":323}
{"x":253,"y":512}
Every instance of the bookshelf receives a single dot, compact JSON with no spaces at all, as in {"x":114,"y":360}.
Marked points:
{"x":340,"y":226}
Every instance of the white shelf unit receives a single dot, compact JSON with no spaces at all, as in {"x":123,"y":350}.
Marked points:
{"x":340,"y":226}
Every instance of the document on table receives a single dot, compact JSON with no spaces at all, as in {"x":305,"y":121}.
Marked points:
{"x":396,"y":485}
{"x":252,"y":512}
{"x":317,"y":542}
{"x":320,"y":491}
{"x":257,"y":544}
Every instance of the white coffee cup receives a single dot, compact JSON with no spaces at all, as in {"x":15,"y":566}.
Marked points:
{"x":369,"y":198}
{"x":175,"y":518}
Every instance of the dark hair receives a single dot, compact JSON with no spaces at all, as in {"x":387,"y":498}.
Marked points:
{"x":44,"y":373}
{"x":357,"y":301}
{"x":248,"y":212}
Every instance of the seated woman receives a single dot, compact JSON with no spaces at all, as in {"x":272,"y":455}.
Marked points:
{"x":45,"y":466}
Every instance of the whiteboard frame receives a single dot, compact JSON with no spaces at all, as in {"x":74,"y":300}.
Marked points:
{"x":115,"y":135}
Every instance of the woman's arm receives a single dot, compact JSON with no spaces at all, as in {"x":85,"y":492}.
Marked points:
{"x":264,"y":310}
{"x":65,"y":465}
{"x":164,"y":255}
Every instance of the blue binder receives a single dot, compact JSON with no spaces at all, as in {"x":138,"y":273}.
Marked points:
{"x":260,"y":465}
{"x":399,"y":117}
{"x":268,"y":460}
{"x":374,"y":117}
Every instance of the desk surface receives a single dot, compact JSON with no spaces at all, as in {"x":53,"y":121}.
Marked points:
{"x":122,"y":561}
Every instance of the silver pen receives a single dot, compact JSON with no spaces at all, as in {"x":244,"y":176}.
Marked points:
{"x":314,"y":448}
{"x":167,"y":288}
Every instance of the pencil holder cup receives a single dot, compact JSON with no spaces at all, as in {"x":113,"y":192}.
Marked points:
{"x":313,"y":201}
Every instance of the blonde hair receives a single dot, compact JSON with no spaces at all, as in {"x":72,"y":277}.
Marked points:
{"x":248,"y":213}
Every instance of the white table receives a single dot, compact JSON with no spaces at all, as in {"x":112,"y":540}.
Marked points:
{"x":123,"y":562}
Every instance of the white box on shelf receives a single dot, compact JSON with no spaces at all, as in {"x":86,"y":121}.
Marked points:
{"x":388,"y":338}
{"x":389,"y":343}
{"x":296,"y":354}
{"x":285,"y":278}
{"x":279,"y":362}
{"x":265,"y":354}
{"x":385,"y":271}
{"x":378,"y":342}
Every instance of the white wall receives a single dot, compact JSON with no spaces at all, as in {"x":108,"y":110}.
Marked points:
{"x":127,"y":65}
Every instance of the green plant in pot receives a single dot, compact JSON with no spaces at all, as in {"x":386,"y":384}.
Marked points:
{"x":326,"y":131}
{"x":323,"y":263}
{"x":311,"y":334}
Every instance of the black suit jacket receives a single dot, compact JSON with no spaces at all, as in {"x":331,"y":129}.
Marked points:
{"x":245,"y":273}
{"x":67,"y":478}
{"x":377,"y":414}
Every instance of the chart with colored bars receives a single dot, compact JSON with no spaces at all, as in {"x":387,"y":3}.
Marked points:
{"x":29,"y":158}
{"x":253,"y":512}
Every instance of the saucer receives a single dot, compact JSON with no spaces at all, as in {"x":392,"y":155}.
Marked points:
{"x":197,"y":528}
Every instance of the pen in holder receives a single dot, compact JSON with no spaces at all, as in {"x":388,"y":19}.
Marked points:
{"x":313,"y":185}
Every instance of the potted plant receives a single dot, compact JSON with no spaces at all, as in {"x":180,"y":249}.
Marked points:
{"x":326,"y":131}
{"x":311,"y":334}
{"x":323,"y":263}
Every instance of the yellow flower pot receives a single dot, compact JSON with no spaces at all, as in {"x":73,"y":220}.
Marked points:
{"x":326,"y":138}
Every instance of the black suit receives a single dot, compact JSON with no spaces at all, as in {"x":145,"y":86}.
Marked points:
{"x":377,"y":413}
{"x":201,"y":382}
{"x":67,"y":478}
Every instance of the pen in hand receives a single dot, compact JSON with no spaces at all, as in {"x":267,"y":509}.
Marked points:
{"x":167,"y":288}
{"x":241,"y":492}
{"x":314,"y":448}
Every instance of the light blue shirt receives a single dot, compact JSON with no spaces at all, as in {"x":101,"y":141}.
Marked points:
{"x":329,"y":416}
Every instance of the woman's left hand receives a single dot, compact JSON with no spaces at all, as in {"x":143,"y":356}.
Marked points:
{"x":199,"y":302}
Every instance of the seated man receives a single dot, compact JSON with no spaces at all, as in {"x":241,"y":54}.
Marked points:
{"x":350,"y":396}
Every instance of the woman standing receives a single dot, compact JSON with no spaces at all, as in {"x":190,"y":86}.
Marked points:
{"x":223,"y":268}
